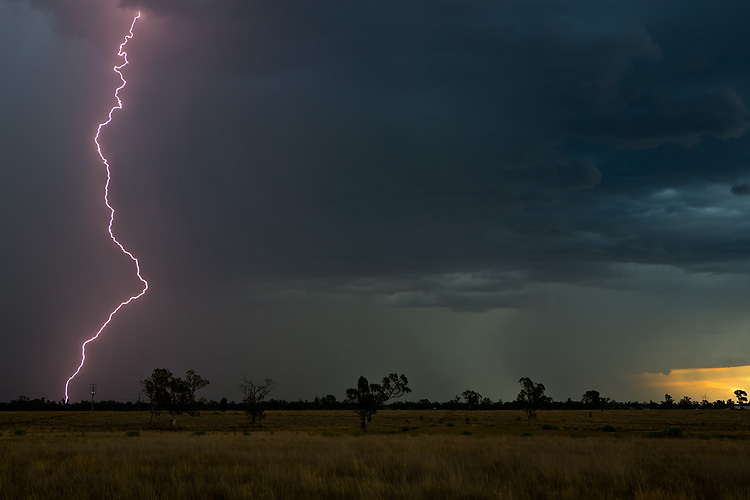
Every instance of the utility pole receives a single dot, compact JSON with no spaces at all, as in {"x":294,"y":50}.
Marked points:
{"x":93,"y":391}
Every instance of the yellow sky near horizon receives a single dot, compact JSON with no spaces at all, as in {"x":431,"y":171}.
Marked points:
{"x":715,"y":383}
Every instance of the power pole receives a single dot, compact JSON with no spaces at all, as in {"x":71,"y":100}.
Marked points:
{"x":93,"y":391}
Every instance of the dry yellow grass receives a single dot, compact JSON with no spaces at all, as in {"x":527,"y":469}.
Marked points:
{"x":317,"y":455}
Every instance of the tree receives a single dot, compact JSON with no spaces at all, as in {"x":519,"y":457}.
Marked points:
{"x":591,"y":400}
{"x":685,"y":402}
{"x":472,"y":398}
{"x":368,"y":398}
{"x":531,"y":397}
{"x":668,"y":401}
{"x":741,"y":397}
{"x":167,"y":392}
{"x":254,"y":398}
{"x":328,"y":402}
{"x":156,"y":390}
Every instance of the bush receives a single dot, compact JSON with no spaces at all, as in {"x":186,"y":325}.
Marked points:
{"x":132,"y":433}
{"x":675,"y":432}
{"x":609,"y":428}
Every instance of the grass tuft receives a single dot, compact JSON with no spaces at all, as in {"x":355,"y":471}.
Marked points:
{"x":551,"y":427}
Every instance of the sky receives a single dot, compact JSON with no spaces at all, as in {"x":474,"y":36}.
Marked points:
{"x":463,"y":192}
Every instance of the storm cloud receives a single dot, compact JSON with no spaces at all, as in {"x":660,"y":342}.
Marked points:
{"x":520,"y":170}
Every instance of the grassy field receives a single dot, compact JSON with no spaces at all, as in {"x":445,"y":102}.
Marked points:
{"x":656,"y":454}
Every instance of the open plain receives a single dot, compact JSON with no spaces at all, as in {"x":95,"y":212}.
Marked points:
{"x":639,"y":454}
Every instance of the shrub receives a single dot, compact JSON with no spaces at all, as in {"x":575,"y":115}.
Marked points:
{"x":132,"y":433}
{"x":674,"y":432}
{"x":609,"y":428}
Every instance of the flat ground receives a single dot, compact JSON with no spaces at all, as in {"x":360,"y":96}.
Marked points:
{"x":732,"y":424}
{"x":643,"y":454}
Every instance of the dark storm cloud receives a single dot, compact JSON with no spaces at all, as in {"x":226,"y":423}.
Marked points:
{"x":389,"y":138}
{"x":81,"y":19}
{"x":652,"y":120}
{"x":381,"y":139}
{"x":433,"y":156}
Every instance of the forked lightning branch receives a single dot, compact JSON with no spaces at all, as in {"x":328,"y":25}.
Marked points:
{"x":118,"y":70}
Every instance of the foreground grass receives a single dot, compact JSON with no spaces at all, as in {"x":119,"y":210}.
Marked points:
{"x":288,"y":465}
{"x":408,"y":455}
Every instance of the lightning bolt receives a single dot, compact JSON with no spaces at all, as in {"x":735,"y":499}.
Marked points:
{"x":118,"y":70}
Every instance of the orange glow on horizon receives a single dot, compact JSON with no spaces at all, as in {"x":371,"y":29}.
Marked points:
{"x":715,"y":383}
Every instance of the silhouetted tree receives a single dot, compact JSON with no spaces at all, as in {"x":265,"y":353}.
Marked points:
{"x":668,"y":401}
{"x":531,"y":397}
{"x":223,"y":404}
{"x":472,"y":398}
{"x":368,"y":398}
{"x":591,"y":400}
{"x":254,"y":398}
{"x":686,"y":402}
{"x":328,"y":402}
{"x":156,"y":390}
{"x":167,"y":392}
{"x":741,"y":396}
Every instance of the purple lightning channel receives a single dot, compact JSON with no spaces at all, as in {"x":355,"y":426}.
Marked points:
{"x":117,"y":70}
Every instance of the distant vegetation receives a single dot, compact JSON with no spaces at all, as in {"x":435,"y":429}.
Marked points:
{"x":176,"y":396}
{"x":330,"y":402}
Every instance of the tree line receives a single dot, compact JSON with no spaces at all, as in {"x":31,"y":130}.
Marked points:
{"x":175,"y":395}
